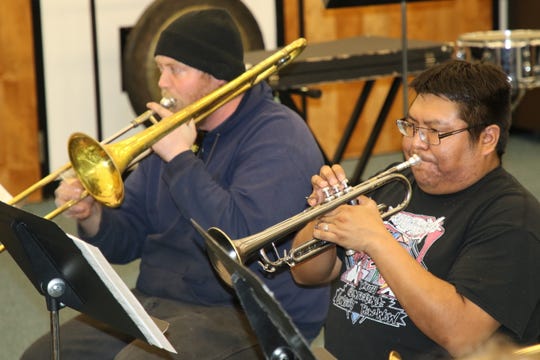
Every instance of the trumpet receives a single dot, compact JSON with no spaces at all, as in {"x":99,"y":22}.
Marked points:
{"x":242,"y":249}
{"x":65,"y":170}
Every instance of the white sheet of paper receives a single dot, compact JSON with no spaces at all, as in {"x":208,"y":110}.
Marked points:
{"x":123,"y":295}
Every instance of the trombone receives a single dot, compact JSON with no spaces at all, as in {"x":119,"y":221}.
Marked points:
{"x":99,"y":166}
{"x":242,"y":249}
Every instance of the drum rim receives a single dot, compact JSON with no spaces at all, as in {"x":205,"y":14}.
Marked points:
{"x":500,"y":38}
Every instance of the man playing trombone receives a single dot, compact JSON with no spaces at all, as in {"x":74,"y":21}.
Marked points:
{"x":251,"y":170}
{"x":461,"y":262}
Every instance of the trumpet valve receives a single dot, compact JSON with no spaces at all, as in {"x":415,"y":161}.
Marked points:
{"x":327,"y":195}
{"x":337,"y":191}
{"x":332,"y":193}
{"x":346,"y":187}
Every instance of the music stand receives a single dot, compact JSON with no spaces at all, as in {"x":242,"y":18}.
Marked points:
{"x":69,"y":272}
{"x":278,"y":336}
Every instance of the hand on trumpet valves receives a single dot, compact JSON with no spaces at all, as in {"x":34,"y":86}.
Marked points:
{"x":327,"y":185}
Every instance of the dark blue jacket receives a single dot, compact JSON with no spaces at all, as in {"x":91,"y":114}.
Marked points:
{"x":253,"y":171}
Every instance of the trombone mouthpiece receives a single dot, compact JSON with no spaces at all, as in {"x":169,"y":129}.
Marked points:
{"x":167,"y":102}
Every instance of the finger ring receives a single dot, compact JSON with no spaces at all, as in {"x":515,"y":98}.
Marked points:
{"x":325,"y":227}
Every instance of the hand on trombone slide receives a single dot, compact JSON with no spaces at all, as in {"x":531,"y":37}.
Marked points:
{"x":85,"y":209}
{"x":351,"y":227}
{"x":72,"y":189}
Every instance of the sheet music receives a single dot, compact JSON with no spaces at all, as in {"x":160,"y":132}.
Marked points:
{"x":123,"y":295}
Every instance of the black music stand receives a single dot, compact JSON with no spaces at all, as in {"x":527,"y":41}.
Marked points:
{"x":278,"y":336}
{"x":61,"y":271}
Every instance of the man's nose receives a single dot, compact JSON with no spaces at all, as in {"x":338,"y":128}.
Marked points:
{"x":163,"y":81}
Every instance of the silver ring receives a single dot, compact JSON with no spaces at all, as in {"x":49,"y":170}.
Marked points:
{"x":325,"y":227}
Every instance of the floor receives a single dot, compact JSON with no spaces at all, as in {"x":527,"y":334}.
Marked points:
{"x":23,"y":312}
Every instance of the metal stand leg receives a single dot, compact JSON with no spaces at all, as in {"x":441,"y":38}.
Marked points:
{"x":55,"y":289}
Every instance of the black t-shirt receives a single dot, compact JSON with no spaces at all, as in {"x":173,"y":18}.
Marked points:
{"x":485,"y":240}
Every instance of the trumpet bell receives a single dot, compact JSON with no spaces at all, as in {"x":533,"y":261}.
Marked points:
{"x":104,"y":182}
{"x":224,"y":242}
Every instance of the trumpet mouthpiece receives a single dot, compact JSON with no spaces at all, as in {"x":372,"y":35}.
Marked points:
{"x":414,"y":160}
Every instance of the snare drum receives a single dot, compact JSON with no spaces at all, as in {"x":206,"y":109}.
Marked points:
{"x":516,"y":51}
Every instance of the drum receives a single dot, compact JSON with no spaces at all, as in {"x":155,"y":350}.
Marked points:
{"x":516,"y":51}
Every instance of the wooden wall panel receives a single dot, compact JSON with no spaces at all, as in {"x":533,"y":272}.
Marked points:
{"x":440,"y":21}
{"x":19,"y":155}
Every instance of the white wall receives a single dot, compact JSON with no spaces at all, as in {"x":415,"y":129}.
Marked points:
{"x":70,"y":96}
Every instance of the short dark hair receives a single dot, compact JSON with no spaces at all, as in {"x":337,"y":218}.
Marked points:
{"x":482,"y":92}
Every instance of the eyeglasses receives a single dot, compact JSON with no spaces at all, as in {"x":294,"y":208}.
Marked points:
{"x":427,"y":135}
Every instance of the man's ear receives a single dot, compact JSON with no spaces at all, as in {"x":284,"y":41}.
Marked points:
{"x":489,"y":138}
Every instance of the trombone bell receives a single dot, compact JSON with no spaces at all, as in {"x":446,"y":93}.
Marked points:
{"x":104,"y":182}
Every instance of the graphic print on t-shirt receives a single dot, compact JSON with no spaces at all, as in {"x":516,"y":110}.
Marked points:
{"x":364,"y":295}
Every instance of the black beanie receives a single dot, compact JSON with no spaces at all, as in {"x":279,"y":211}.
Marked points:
{"x":207,"y":40}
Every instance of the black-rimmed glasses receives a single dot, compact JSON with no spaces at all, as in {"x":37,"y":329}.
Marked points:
{"x":427,"y":135}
